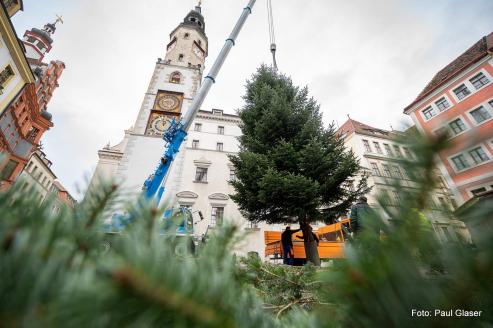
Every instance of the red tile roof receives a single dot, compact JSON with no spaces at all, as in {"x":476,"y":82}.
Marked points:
{"x":469,"y":57}
{"x":352,"y":126}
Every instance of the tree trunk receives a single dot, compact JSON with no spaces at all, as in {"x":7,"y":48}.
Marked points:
{"x":311,"y":249}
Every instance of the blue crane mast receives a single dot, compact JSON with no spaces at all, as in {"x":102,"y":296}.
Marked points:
{"x":175,"y":134}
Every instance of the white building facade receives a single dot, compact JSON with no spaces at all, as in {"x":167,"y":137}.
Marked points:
{"x":37,"y":176}
{"x":200,"y":175}
{"x":380,"y":152}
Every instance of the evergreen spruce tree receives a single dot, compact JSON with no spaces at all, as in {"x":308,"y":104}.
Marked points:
{"x":290,"y":169}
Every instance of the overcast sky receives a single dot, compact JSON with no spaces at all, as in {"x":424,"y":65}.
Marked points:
{"x":366,"y":59}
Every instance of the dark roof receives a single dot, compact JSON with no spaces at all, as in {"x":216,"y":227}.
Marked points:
{"x":469,"y":57}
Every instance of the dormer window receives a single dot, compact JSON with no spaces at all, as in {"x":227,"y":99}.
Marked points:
{"x":175,"y":77}
{"x":217,"y":111}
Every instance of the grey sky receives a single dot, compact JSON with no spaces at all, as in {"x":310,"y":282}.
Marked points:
{"x":368,"y":59}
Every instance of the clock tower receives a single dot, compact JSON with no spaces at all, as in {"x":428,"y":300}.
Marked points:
{"x":173,"y":85}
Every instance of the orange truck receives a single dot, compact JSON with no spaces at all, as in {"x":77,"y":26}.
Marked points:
{"x":331,"y":246}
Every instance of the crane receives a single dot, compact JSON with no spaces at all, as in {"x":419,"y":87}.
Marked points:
{"x":174,"y":136}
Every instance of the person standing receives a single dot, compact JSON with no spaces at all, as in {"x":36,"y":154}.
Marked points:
{"x":358,"y":210}
{"x":287,"y":245}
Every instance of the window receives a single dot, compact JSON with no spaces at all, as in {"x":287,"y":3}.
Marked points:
{"x":480,"y":114}
{"x":41,"y":46}
{"x":217,"y":111}
{"x":429,"y":112}
{"x":8,"y":169}
{"x":219,"y":146}
{"x":407,"y":152}
{"x":446,"y":233}
{"x":220,"y":129}
{"x":477,"y":191}
{"x":397,"y":172}
{"x":44,"y":180}
{"x":461,"y":92}
{"x":491,"y":103}
{"x":384,"y":195}
{"x":232,"y":175}
{"x":217,"y":216}
{"x":388,"y":150}
{"x":479,"y":80}
{"x":198,"y":127}
{"x":442,"y":104}
{"x":31,"y":39}
{"x":187,"y":35}
{"x":457,"y":126}
{"x":386,"y":170}
{"x":478,"y":155}
{"x":367,"y":146}
{"x":460,"y":162}
{"x":180,"y":57}
{"x":377,"y":147}
{"x":201,"y":174}
{"x":29,"y":166}
{"x":397,"y":197}
{"x":34,"y":170}
{"x":443,"y":202}
{"x":397,"y":150}
{"x":5,"y":77}
{"x":195,"y":144}
{"x":375,"y":169}
{"x":175,"y":77}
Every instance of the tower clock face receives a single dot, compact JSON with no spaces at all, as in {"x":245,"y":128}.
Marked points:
{"x":159,"y":124}
{"x":169,"y":103}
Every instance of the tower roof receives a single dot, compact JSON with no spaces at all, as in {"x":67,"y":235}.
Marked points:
{"x":195,"y":20}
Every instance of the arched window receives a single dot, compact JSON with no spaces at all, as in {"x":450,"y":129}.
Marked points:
{"x":187,"y":35}
{"x":180,"y":57}
{"x":175,"y":77}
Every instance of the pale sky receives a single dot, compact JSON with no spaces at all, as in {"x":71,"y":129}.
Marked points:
{"x":367,"y":59}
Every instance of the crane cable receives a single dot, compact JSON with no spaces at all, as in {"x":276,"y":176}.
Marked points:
{"x":272,"y":36}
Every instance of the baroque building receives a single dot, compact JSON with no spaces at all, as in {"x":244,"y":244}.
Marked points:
{"x":25,"y":119}
{"x":458,"y":101}
{"x":380,"y":152}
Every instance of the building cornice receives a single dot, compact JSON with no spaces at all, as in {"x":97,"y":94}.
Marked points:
{"x":14,"y":45}
{"x":414,"y":106}
{"x":223,"y":118}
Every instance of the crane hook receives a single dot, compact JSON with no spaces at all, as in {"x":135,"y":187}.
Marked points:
{"x":272,"y":36}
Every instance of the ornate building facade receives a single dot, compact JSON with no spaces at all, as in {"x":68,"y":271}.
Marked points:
{"x":25,"y":119}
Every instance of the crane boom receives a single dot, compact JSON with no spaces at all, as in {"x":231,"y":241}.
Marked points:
{"x":177,"y":131}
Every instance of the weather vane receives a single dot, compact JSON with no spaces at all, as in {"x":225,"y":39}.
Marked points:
{"x":200,"y":3}
{"x":58,"y":19}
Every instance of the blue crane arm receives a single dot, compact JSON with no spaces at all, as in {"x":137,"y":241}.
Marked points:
{"x":177,"y":131}
{"x":174,"y":136}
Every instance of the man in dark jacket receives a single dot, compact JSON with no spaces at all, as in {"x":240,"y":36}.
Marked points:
{"x":287,"y":245}
{"x":358,"y":210}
